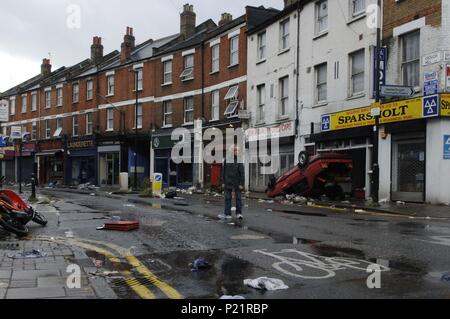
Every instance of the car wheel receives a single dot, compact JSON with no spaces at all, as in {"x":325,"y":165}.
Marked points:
{"x":303,"y":159}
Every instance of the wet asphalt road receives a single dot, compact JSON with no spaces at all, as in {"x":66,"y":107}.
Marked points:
{"x":319,"y":255}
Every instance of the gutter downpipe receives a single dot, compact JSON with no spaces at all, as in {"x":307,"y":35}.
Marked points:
{"x":297,"y":106}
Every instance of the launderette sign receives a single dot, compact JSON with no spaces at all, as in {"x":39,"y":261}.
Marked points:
{"x":406,"y":110}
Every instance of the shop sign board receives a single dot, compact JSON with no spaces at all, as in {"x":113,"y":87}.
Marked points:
{"x":445,"y":105}
{"x":431,"y":106}
{"x":391,"y":112}
{"x":446,"y":147}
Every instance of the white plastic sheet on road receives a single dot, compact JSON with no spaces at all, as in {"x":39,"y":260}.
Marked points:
{"x":265,"y":283}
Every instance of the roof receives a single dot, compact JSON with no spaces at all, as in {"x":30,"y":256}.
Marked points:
{"x":259,"y":15}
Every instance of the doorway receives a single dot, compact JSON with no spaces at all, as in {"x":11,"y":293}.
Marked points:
{"x":408,"y":170}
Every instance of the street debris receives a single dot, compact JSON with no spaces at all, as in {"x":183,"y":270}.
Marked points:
{"x":199,"y":264}
{"x":106,"y":274}
{"x":360,"y":211}
{"x":446,"y":277}
{"x":69,"y":234}
{"x":28,"y":254}
{"x":264,"y":283}
{"x":87,"y":186}
{"x":120,"y":225}
{"x":129,"y":205}
{"x":400,"y":203}
{"x":232,"y":297}
{"x":270,"y":210}
{"x":171,"y":195}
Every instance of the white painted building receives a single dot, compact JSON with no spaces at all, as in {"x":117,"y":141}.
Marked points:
{"x":271,"y":92}
{"x":415,"y":165}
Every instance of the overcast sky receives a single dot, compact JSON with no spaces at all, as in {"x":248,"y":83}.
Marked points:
{"x":31,"y":30}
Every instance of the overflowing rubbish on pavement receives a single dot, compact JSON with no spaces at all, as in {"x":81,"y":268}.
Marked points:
{"x":232,"y":297}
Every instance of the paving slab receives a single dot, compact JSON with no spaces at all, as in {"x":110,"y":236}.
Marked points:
{"x":5,"y":274}
{"x":23,"y":284}
{"x":35,"y":293}
{"x":33,"y":274}
{"x":2,"y":293}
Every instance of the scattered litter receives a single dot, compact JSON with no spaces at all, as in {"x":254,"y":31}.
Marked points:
{"x":104,"y":274}
{"x":446,"y":277}
{"x":233,"y":209}
{"x":69,"y":234}
{"x":179,"y":198}
{"x":270,"y":202}
{"x":171,"y":195}
{"x":360,"y":211}
{"x":270,"y":210}
{"x":120,"y":226}
{"x":199,"y":264}
{"x":400,"y":203}
{"x":129,"y":205}
{"x":264,"y":283}
{"x":28,"y":254}
{"x":116,"y":218}
{"x":427,"y":218}
{"x":232,"y":297}
{"x":345,"y":202}
{"x":92,"y":194}
{"x":384,"y":201}
{"x":208,"y":202}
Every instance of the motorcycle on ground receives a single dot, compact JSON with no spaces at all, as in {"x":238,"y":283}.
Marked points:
{"x":15,"y":213}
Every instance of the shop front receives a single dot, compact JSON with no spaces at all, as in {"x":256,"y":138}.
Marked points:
{"x":81,"y":161}
{"x":410,"y":147}
{"x":179,"y":175}
{"x":50,"y":162}
{"x":110,"y":162}
{"x":7,"y":155}
{"x":25,"y":163}
{"x":260,"y":139}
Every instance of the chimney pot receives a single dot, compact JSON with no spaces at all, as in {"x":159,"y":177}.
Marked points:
{"x":46,"y":67}
{"x":96,"y":50}
{"x":127,"y":45}
{"x":225,"y":18}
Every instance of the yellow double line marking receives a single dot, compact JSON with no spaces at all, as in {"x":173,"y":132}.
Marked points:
{"x":142,"y":291}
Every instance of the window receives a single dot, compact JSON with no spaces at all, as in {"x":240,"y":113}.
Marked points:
{"x":215,"y":107}
{"x":138,"y":116}
{"x":59,"y":127}
{"x":321,"y":82}
{"x":188,"y":73}
{"x":33,"y":102}
{"x":48,"y":99}
{"x":168,"y":72}
{"x":215,"y":53}
{"x":261,"y":46}
{"x":140,"y":79}
{"x":48,"y":129}
{"x":261,"y":100}
{"x":284,"y":35}
{"x":321,"y":16}
{"x":284,"y":96}
{"x":13,"y":106}
{"x":189,"y":110}
{"x":59,"y":97}
{"x":75,"y":125}
{"x":234,"y":51}
{"x":411,"y":58}
{"x":110,"y":84}
{"x":75,"y":93}
{"x":357,"y":72}
{"x":232,"y":95}
{"x":24,"y":104}
{"x":358,"y":7}
{"x":109,"y":119}
{"x":167,"y":121}
{"x":88,"y":123}
{"x":34,"y":131}
{"x":89,"y":90}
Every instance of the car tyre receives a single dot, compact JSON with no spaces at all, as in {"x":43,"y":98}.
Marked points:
{"x":303,"y":159}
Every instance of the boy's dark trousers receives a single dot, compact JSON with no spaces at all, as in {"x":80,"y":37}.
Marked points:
{"x":228,"y":198}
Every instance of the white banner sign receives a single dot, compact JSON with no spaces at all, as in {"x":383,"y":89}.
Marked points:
{"x":16,"y":132}
{"x":4,"y":111}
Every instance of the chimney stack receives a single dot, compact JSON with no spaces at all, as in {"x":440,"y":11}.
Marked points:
{"x":187,"y":21}
{"x":127,"y":45}
{"x":225,"y":18}
{"x":96,"y":50}
{"x":288,"y":3}
{"x":46,"y":67}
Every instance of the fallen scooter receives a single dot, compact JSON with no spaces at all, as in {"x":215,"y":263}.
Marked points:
{"x":15,"y":214}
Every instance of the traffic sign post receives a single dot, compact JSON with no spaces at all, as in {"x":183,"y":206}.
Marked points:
{"x":431,"y":106}
{"x":446,"y":147}
{"x":396,"y":91}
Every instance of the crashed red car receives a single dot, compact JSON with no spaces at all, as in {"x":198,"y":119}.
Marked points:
{"x":315,"y":176}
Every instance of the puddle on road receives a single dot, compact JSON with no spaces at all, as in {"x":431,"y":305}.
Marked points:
{"x":102,"y":262}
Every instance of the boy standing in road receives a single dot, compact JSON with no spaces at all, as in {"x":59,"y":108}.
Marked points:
{"x":233,"y":179}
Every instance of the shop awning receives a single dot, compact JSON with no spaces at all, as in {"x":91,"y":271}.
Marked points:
{"x":48,"y":153}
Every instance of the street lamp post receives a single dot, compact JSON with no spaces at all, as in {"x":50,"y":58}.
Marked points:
{"x":20,"y":167}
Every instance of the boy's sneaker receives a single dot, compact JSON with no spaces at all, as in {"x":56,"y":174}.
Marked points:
{"x":225,"y":217}
{"x":240,"y":217}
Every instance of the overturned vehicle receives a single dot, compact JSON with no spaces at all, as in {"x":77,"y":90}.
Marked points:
{"x":324,"y":174}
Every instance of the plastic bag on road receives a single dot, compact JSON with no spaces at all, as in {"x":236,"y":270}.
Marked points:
{"x":264,"y":283}
{"x":199,"y":264}
{"x":28,"y":254}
